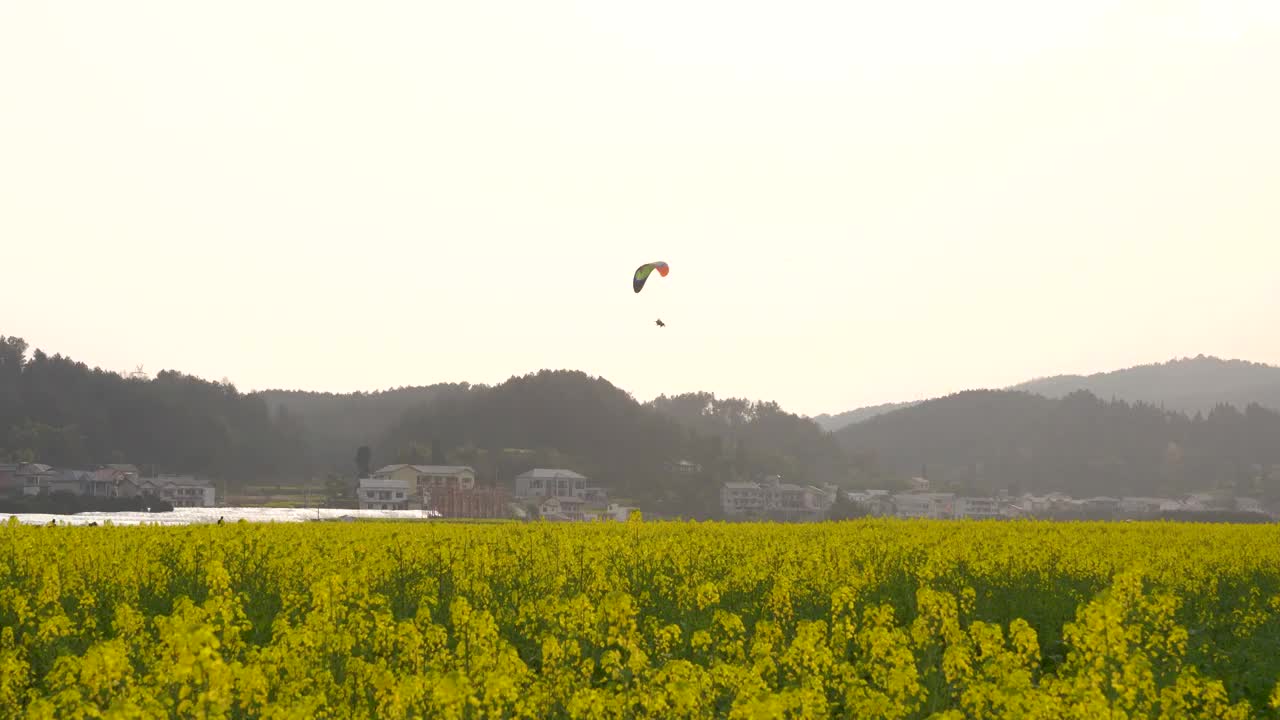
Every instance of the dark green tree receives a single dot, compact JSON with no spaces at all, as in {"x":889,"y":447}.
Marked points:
{"x":364,"y":456}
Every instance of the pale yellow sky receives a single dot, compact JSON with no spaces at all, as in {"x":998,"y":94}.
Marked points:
{"x":860,"y":202}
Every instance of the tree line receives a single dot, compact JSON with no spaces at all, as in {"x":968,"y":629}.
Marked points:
{"x":988,"y":440}
{"x":61,"y":412}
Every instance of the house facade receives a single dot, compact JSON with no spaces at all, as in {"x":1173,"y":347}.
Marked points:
{"x":563,"y":508}
{"x":874,"y":502}
{"x":177,"y":490}
{"x":742,"y":499}
{"x":423,"y":479}
{"x":775,"y":497}
{"x":35,"y":479}
{"x":384,"y":493}
{"x":76,"y":482}
{"x":548,"y":483}
{"x":924,"y":505}
{"x":979,"y":508}
{"x":186,"y":491}
{"x":112,"y":481}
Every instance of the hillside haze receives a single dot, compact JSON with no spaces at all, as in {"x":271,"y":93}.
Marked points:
{"x":831,"y":423}
{"x":986,"y":441}
{"x":1188,"y":384}
{"x":59,"y":411}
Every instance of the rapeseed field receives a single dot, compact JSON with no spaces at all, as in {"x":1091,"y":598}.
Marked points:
{"x":863,"y":619}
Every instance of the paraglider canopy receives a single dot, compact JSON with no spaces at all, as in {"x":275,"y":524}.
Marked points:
{"x":643,"y":272}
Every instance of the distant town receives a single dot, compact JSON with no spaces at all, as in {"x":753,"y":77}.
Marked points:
{"x":563,"y":495}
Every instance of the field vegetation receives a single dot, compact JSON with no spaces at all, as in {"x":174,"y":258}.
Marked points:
{"x":862,"y":619}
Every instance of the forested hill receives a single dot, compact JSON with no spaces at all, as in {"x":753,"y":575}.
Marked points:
{"x":567,"y":418}
{"x":763,"y":436}
{"x":835,"y":422}
{"x":988,"y":440}
{"x":1189,"y":384}
{"x":337,"y":423}
{"x":60,"y":412}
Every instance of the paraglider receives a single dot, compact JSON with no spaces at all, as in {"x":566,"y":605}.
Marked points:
{"x":643,"y":272}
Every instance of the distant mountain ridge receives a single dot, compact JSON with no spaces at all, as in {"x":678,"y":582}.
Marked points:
{"x":831,"y":423}
{"x":1188,"y":385}
{"x":982,"y":441}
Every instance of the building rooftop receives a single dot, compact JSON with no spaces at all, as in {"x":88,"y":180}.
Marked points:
{"x":384,"y":482}
{"x":426,"y":469}
{"x":182,"y":480}
{"x":551,"y":474}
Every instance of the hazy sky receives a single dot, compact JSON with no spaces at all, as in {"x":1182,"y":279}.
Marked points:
{"x":860,"y":202}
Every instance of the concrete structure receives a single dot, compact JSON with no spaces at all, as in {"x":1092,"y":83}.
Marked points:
{"x":34,"y":478}
{"x":742,"y":499}
{"x":875,"y":502}
{"x":76,"y":482}
{"x":773,"y":497}
{"x":979,"y":508}
{"x":114,"y":481}
{"x":1145,"y":505}
{"x":924,"y":505}
{"x":384,"y":493}
{"x":178,"y":490}
{"x":545,"y":483}
{"x":562,"y":508}
{"x":425,"y":478}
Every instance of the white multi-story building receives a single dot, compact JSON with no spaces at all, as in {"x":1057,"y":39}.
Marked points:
{"x":742,"y":498}
{"x":773,"y":496}
{"x":979,"y":508}
{"x":423,"y":479}
{"x":177,"y":490}
{"x":924,"y":505}
{"x":545,"y":483}
{"x":384,"y":493}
